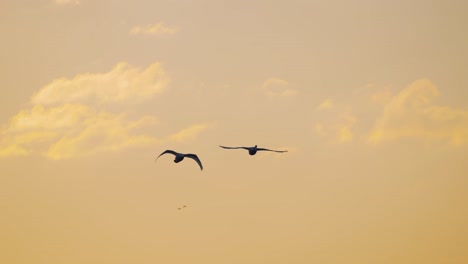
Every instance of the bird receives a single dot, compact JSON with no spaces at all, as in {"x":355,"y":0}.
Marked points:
{"x":253,"y":150}
{"x":181,"y":207}
{"x":180,"y":156}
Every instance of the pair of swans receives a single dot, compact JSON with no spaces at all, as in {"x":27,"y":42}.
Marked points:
{"x":180,"y":156}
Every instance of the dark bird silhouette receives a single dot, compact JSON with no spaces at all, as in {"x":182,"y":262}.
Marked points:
{"x":253,"y":150}
{"x":180,"y":156}
{"x":181,"y":207}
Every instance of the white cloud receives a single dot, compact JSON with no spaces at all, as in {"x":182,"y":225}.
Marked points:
{"x":327,"y":104}
{"x":274,"y":82}
{"x":154,"y":29}
{"x":189,"y":133}
{"x":123,"y":83}
{"x":319,"y":129}
{"x":12,"y":151}
{"x":71,"y":130}
{"x":345,"y":134}
{"x":69,"y":118}
{"x":412,"y":114}
{"x":98,"y":133}
{"x":276,"y":87}
{"x":337,"y":124}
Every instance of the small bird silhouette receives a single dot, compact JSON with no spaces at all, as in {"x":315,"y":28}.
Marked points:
{"x":181,"y":207}
{"x":253,"y":150}
{"x":180,"y":156}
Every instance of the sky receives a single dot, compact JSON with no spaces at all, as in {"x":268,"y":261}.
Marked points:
{"x":370,"y":98}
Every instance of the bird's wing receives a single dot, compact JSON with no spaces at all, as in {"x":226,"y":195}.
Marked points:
{"x":224,"y":147}
{"x":195,"y":157}
{"x":166,"y":151}
{"x":264,"y":149}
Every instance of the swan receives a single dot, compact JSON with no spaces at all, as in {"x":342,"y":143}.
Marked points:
{"x":253,"y":150}
{"x":180,"y":156}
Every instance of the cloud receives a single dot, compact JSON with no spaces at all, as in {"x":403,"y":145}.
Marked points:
{"x":154,"y":29}
{"x":274,"y":82}
{"x":344,"y":134}
{"x":71,"y":130}
{"x":99,"y":133}
{"x":71,"y":118}
{"x":123,"y":83}
{"x":337,"y":130}
{"x":327,"y":104}
{"x":12,"y":151}
{"x":319,"y":129}
{"x":275,"y":87}
{"x":189,"y":133}
{"x":413,"y":114}
{"x":345,"y":128}
{"x":337,"y":124}
{"x":67,"y":2}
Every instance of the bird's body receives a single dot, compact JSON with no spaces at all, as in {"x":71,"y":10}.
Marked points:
{"x":253,"y":150}
{"x":180,"y":157}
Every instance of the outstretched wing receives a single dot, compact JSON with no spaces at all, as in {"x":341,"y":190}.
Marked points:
{"x":264,"y":149}
{"x":166,"y":151}
{"x":224,"y":147}
{"x":195,"y":158}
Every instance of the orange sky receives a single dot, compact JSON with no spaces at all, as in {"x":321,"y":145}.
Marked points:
{"x":370,"y":98}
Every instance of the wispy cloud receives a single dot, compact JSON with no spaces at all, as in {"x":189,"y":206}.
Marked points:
{"x":345,"y":134}
{"x":327,"y":104}
{"x":154,"y":29}
{"x":68,"y":2}
{"x":276,"y":87}
{"x":336,"y":130}
{"x":71,"y":118}
{"x":413,"y":114}
{"x":189,"y":133}
{"x":337,"y":124}
{"x":274,"y":82}
{"x":319,"y":129}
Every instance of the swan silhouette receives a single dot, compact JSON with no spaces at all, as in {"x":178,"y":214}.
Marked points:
{"x":253,"y":150}
{"x":180,"y":156}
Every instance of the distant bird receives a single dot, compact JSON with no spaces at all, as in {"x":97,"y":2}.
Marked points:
{"x":181,"y":207}
{"x":180,"y":156}
{"x":253,"y":150}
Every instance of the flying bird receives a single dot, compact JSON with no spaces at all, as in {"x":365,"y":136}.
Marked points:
{"x":180,"y":208}
{"x":180,"y":156}
{"x":253,"y":150}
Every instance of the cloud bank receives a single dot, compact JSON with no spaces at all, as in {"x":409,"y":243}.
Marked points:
{"x":69,"y":117}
